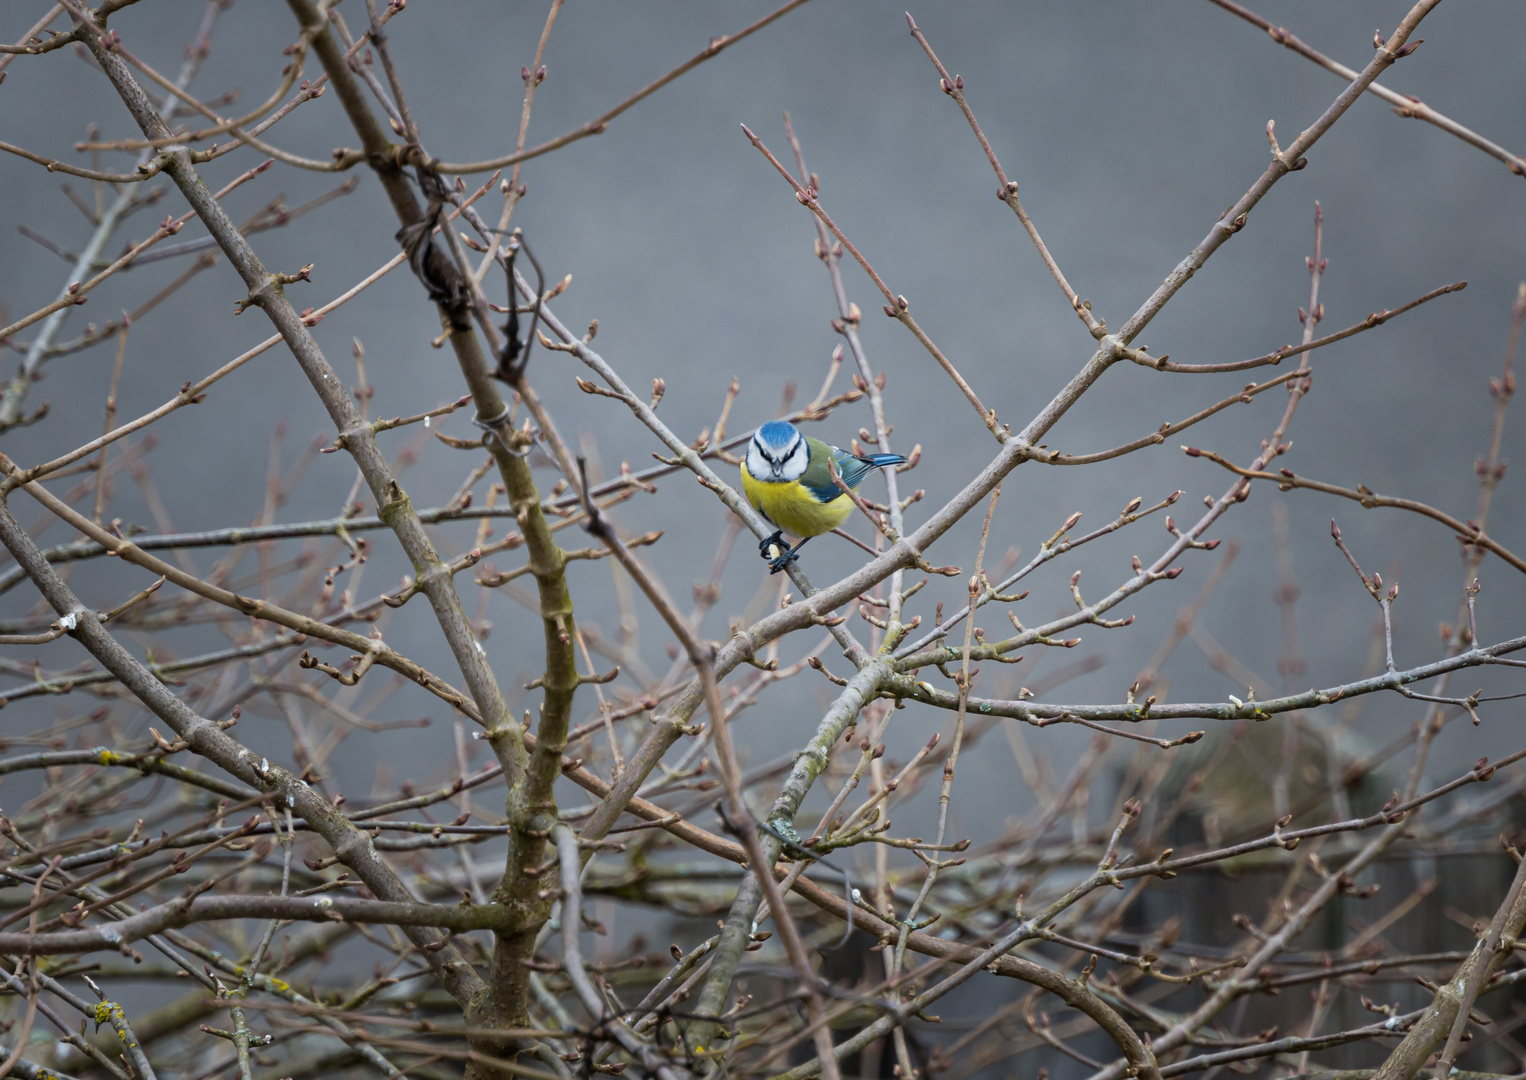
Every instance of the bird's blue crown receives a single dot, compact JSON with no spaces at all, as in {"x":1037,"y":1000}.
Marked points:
{"x":777,"y":433}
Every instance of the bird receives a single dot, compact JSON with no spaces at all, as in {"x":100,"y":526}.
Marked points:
{"x":787,"y":477}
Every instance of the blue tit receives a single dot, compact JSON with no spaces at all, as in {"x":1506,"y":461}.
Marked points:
{"x":787,"y":477}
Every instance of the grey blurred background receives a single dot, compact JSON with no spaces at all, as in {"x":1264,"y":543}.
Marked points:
{"x":1130,"y":129}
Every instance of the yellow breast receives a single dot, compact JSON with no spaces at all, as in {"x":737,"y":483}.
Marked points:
{"x":793,"y":508}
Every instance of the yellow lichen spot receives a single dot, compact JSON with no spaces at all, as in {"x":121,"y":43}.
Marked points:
{"x":108,"y":757}
{"x":109,"y":1012}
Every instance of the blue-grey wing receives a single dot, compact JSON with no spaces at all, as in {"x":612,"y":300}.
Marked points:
{"x":821,"y":488}
{"x":818,"y":480}
{"x":851,"y":469}
{"x":854,"y":469}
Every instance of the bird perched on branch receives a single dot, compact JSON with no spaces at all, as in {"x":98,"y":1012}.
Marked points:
{"x":787,"y":477}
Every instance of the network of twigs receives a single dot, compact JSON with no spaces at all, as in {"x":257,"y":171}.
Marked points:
{"x":174,"y":903}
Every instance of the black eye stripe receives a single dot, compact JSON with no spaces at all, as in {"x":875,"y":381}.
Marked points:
{"x":766,"y":456}
{"x":795,"y":447}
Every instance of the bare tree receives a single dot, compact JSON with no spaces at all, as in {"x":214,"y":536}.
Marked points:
{"x":217,"y":908}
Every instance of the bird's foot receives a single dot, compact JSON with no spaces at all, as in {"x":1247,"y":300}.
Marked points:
{"x":786,"y":557}
{"x":771,"y":547}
